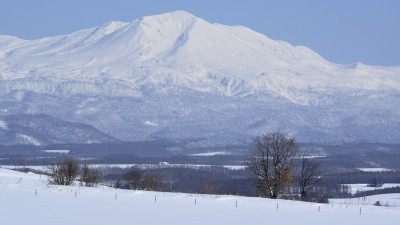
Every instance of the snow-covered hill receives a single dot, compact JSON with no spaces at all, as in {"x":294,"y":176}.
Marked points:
{"x":177,"y":76}
{"x":44,"y":130}
{"x":28,"y":199}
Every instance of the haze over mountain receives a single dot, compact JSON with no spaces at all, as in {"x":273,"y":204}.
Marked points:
{"x":177,"y":76}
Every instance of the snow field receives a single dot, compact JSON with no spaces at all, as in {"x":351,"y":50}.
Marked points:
{"x":387,"y":200}
{"x":374,"y":169}
{"x":364,"y":187}
{"x":103,"y":205}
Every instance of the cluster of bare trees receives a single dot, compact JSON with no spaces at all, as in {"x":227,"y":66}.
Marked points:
{"x":66,"y":171}
{"x":63,"y":172}
{"x":275,"y":162}
{"x":135,"y":180}
{"x":277,"y":166}
{"x":90,"y":177}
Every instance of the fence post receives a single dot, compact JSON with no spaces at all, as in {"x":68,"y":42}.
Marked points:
{"x":236,"y":203}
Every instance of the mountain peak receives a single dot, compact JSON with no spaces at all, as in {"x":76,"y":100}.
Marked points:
{"x":193,"y":50}
{"x":179,"y":20}
{"x":179,"y":14}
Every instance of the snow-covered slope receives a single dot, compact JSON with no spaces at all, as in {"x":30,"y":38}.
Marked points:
{"x":157,"y":76}
{"x":27,"y":199}
{"x":44,"y":130}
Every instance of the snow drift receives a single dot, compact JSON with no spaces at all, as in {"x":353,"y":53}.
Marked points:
{"x":27,"y":199}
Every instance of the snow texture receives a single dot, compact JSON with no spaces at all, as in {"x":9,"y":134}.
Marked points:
{"x":27,"y":199}
{"x":374,"y":169}
{"x":28,"y":140}
{"x":3,"y":125}
{"x":175,"y":75}
{"x":210,"y":154}
{"x":57,"y":151}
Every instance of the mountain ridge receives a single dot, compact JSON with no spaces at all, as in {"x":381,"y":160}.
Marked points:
{"x":128,"y":79}
{"x":40,"y":129}
{"x":151,"y":37}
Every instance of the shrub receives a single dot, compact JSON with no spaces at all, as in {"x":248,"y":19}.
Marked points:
{"x":63,"y":172}
{"x":90,"y":176}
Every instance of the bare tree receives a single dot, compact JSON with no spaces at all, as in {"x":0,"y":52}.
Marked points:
{"x":117,"y":183}
{"x":153,"y":182}
{"x":90,"y":176}
{"x":63,"y":172}
{"x":309,"y":177}
{"x":133,"y":178}
{"x":207,"y":188}
{"x":272,"y":163}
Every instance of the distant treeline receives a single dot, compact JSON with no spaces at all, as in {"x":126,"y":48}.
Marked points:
{"x":361,"y":177}
{"x":377,"y":192}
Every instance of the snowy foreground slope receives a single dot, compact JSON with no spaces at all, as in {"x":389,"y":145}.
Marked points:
{"x":177,"y":76}
{"x":102,"y":205}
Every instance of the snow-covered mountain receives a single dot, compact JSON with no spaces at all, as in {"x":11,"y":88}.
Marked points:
{"x":177,"y":76}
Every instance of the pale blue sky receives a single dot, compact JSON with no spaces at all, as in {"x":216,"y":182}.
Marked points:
{"x":342,"y":31}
